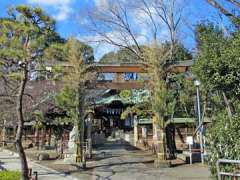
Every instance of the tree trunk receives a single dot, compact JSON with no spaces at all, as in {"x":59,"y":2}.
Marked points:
{"x":159,"y":138}
{"x":61,"y":145}
{"x":49,"y":136}
{"x":80,"y":126}
{"x":162,"y":141}
{"x":228,"y":105}
{"x":18,"y":139}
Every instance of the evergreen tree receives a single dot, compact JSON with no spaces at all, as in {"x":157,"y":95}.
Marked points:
{"x":24,"y":35}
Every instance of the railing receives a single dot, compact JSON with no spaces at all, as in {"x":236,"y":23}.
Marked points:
{"x":221,"y":174}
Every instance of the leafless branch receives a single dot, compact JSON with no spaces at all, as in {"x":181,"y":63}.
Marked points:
{"x":224,"y":11}
{"x":235,"y":2}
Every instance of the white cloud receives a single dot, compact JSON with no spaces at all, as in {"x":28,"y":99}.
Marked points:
{"x":63,"y":13}
{"x":50,"y":2}
{"x":62,"y":7}
{"x":101,"y":4}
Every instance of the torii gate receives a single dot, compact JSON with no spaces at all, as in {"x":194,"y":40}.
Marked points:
{"x":119,"y":82}
{"x":119,"y":71}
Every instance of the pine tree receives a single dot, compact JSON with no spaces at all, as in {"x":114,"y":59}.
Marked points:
{"x":24,"y":35}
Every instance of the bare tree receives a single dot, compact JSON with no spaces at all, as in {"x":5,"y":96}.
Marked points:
{"x":119,"y":23}
{"x":233,"y":17}
{"x":114,"y":18}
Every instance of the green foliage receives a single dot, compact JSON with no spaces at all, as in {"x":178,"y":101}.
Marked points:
{"x":183,"y":95}
{"x":108,"y":58}
{"x":218,"y":61}
{"x":56,"y":52}
{"x":125,"y":94}
{"x":58,"y":132}
{"x":75,"y":79}
{"x":66,"y":99}
{"x":14,"y":76}
{"x":156,"y":56}
{"x":39,"y":118}
{"x":24,"y":36}
{"x":38,"y":115}
{"x":60,"y":51}
{"x":223,"y":139}
{"x":10,"y":175}
{"x":217,"y":66}
{"x":123,"y":55}
{"x":140,"y":109}
{"x":180,"y":53}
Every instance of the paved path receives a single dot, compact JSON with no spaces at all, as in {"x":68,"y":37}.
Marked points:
{"x":113,"y":161}
{"x":10,"y":161}
{"x":122,"y":162}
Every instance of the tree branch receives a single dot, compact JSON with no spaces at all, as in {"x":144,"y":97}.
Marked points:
{"x":223,"y":10}
{"x":235,"y":2}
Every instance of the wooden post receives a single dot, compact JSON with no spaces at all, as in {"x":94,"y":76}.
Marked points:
{"x":135,"y":130}
{"x":37,"y":137}
{"x":4,"y":133}
{"x":43,"y":136}
{"x":49,"y":136}
{"x":144,"y":136}
{"x":89,"y":134}
{"x":61,"y":145}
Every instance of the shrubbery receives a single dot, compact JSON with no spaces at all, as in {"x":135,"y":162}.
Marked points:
{"x":10,"y":175}
{"x":224,"y":140}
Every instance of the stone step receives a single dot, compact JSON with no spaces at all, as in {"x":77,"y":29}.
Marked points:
{"x":185,"y":156}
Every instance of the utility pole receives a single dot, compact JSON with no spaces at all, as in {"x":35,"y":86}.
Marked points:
{"x":197,"y":84}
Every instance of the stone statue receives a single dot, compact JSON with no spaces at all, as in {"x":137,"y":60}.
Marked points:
{"x":69,"y":154}
{"x":72,"y":138}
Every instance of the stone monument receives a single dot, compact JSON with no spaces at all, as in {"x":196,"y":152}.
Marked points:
{"x":70,"y":154}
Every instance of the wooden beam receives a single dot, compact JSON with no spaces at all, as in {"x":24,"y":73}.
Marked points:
{"x":178,"y":67}
{"x":121,"y":68}
{"x":119,"y":86}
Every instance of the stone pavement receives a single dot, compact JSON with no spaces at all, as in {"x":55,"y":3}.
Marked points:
{"x":123,"y":162}
{"x":113,"y":161}
{"x":10,"y":161}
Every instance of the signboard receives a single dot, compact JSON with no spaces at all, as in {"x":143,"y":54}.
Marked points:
{"x":189,"y":140}
{"x":145,"y":121}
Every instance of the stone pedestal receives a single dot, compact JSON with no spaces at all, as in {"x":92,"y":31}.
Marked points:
{"x":70,"y":154}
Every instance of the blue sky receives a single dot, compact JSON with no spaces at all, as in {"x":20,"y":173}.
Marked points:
{"x":69,"y":17}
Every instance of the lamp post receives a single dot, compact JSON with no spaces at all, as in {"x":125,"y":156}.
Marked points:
{"x":197,"y":84}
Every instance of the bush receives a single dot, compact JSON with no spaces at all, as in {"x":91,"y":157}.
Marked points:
{"x":224,"y":141}
{"x":10,"y":175}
